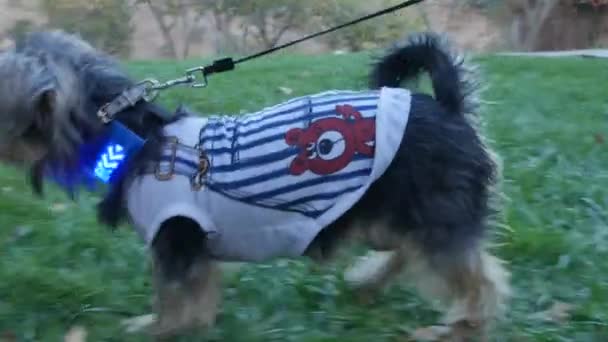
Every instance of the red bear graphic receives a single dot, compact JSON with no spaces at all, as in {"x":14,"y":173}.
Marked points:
{"x":328,"y":145}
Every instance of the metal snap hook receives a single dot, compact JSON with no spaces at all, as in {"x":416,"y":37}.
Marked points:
{"x":151,"y":89}
{"x":193,"y":71}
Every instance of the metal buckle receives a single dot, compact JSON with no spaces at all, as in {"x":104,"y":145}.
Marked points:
{"x":164,"y":176}
{"x":198,"y":180}
{"x":151,"y":89}
{"x":103,"y":114}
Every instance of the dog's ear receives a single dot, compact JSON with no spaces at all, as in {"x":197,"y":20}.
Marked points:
{"x":46,"y":103}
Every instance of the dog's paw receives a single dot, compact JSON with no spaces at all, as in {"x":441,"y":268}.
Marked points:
{"x":369,"y":271}
{"x":431,"y":333}
{"x":139,"y":324}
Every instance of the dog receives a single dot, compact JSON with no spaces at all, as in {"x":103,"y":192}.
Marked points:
{"x":407,"y":173}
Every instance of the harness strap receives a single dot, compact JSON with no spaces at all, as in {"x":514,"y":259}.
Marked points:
{"x":180,"y":159}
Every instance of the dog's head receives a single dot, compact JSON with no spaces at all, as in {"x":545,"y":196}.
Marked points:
{"x":26,"y":93}
{"x":51,"y":87}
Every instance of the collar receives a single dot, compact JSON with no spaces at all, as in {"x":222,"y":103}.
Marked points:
{"x":126,"y":99}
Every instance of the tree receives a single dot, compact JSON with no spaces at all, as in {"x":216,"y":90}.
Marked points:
{"x":105,"y":23}
{"x":528,"y":19}
{"x":269,"y":20}
{"x":262,"y":22}
{"x":555,"y":24}
{"x":223,"y":13}
{"x":179,"y":23}
{"x":368,"y":34}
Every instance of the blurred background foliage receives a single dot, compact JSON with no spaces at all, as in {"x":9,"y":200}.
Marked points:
{"x":179,"y":29}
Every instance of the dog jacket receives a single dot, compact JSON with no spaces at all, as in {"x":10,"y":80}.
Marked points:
{"x":277,"y":177}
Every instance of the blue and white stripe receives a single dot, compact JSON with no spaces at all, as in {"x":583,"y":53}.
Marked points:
{"x":250,"y":159}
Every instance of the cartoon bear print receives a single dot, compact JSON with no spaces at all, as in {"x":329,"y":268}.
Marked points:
{"x":328,"y":145}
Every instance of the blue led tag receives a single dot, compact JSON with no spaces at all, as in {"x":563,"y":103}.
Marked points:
{"x":120,"y":144}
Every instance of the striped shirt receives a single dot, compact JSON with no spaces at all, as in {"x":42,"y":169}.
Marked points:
{"x":277,"y":176}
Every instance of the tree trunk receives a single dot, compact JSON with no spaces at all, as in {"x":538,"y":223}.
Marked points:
{"x":536,"y":17}
{"x":555,"y":25}
{"x":164,"y":27}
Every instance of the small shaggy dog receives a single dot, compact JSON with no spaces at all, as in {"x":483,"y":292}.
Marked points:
{"x":406,"y":173}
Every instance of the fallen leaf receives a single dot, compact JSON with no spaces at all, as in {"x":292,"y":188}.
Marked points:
{"x":21,"y":232}
{"x":8,"y":336}
{"x":559,"y":312}
{"x":58,"y":207}
{"x":599,"y":138}
{"x":76,"y":334}
{"x":431,"y":333}
{"x":285,"y":90}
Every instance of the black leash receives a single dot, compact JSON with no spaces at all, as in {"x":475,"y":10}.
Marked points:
{"x":148,"y":89}
{"x":335,"y":28}
{"x":227,"y":64}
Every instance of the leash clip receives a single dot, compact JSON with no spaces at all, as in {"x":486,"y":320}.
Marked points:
{"x":220,"y":65}
{"x":193,"y":71}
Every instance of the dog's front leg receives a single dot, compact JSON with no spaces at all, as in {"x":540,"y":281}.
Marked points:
{"x":191,"y":303}
{"x":187,"y":279}
{"x":179,"y":307}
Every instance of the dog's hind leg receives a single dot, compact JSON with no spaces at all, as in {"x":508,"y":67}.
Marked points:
{"x":378,"y":267}
{"x":472,"y":283}
{"x":374,"y":270}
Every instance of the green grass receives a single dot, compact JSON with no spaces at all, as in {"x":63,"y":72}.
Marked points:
{"x":542,"y":117}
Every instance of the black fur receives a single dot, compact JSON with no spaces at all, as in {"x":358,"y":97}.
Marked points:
{"x":178,"y":246}
{"x":437,"y":189}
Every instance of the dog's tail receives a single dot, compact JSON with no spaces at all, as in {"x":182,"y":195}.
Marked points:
{"x":452,"y":80}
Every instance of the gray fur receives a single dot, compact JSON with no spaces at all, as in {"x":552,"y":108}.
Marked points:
{"x":24,"y":80}
{"x":52,"y":85}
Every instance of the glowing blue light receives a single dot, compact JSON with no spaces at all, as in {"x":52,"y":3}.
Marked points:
{"x":104,"y":156}
{"x":109,"y":161}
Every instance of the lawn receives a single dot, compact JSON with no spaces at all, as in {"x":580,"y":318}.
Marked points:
{"x":546,"y":118}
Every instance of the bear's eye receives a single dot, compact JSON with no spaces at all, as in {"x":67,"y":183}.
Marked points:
{"x":325,"y":146}
{"x":330,"y":145}
{"x":311,"y":151}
